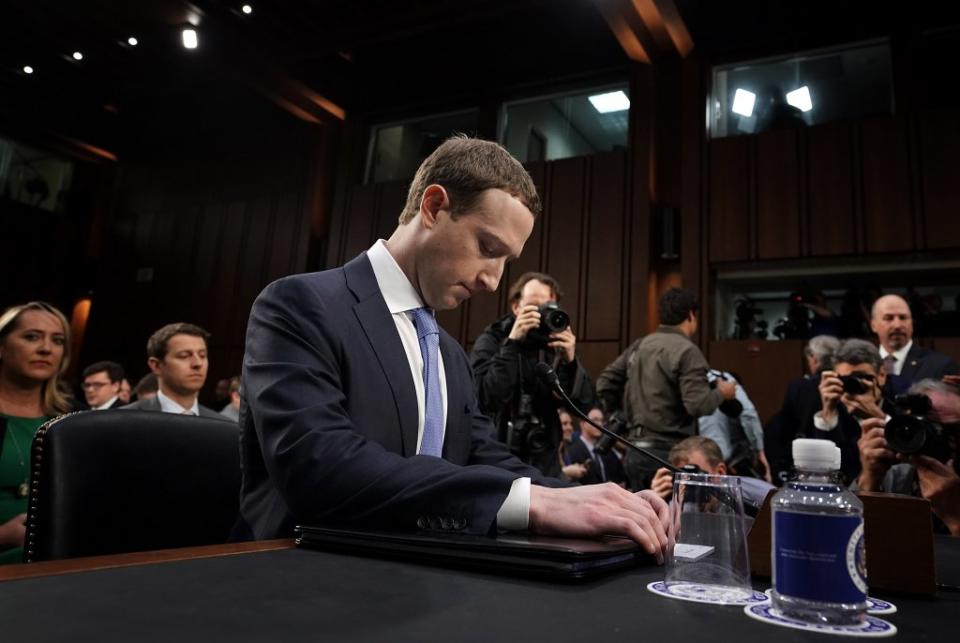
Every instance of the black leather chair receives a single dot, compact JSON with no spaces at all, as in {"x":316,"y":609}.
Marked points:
{"x":108,"y":482}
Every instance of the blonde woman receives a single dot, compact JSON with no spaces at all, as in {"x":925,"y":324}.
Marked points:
{"x":34,"y":353}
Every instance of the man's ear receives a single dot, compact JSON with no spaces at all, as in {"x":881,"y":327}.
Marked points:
{"x":154,"y":365}
{"x":882,"y":377}
{"x":434,"y":201}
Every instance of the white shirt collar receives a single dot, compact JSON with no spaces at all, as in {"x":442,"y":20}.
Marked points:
{"x":169,"y":406}
{"x":107,"y":404}
{"x":587,"y":442}
{"x":901,"y":354}
{"x":396,"y":288}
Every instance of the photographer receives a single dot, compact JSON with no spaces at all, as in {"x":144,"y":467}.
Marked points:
{"x":919,"y":474}
{"x":850,"y":395}
{"x":504,"y":359}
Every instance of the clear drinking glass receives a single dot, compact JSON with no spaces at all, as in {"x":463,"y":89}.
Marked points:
{"x":708,"y":539}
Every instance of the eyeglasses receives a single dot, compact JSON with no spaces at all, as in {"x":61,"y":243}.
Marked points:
{"x":94,"y":386}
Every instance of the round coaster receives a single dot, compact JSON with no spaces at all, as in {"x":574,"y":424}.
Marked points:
{"x":870,"y":627}
{"x":875,"y":606}
{"x":713,"y":594}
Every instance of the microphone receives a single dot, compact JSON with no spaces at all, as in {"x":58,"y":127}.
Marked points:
{"x":549,"y":377}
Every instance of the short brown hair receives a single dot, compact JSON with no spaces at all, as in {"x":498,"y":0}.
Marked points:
{"x":465,"y":168}
{"x":706,"y":446}
{"x":157,"y":344}
{"x":516,"y":290}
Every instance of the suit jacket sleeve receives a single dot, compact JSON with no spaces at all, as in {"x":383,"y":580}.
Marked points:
{"x":324,"y":468}
{"x":698,"y":398}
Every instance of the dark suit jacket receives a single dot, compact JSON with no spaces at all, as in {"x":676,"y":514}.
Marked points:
{"x":578,"y":452}
{"x":329,"y":419}
{"x":920,"y":364}
{"x":153,"y":404}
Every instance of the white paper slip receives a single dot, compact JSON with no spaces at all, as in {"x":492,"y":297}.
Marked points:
{"x":691,"y":552}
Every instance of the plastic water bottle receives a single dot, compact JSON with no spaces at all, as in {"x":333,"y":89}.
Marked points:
{"x":819,"y":560}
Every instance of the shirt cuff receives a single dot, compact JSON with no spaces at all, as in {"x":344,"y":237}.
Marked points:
{"x":824,"y":425}
{"x":514,"y":514}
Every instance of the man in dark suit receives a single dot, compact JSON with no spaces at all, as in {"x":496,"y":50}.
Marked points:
{"x":358,"y":410}
{"x":904,"y":361}
{"x":101,"y":385}
{"x":601,"y":467}
{"x":177,"y":355}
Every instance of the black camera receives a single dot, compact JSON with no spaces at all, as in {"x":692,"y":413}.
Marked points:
{"x":911,"y":432}
{"x":525,"y":433}
{"x":731,"y":408}
{"x":553,"y":319}
{"x":857,"y":383}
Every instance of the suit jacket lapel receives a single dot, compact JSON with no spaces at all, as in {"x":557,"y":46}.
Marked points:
{"x":381,"y":331}
{"x":456,"y":441}
{"x":911,"y":363}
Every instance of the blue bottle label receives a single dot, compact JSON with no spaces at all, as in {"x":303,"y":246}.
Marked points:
{"x":820,"y":558}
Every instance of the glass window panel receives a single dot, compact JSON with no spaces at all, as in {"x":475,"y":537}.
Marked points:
{"x":398,"y":149}
{"x":34,"y":177}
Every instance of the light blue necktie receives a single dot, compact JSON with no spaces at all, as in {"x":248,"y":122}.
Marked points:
{"x":429,"y":338}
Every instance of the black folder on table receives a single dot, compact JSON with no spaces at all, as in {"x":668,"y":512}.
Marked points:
{"x":518,"y":554}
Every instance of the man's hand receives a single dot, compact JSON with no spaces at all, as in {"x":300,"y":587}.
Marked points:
{"x":14,"y":531}
{"x":767,"y":472}
{"x":727,"y":388}
{"x":875,"y":457}
{"x":831,"y":390}
{"x":601,"y":509}
{"x":527,"y":319}
{"x":866,"y":405}
{"x":953,"y":380}
{"x":662,"y":483}
{"x":566,"y":343}
{"x":940,"y":485}
{"x":575,"y":471}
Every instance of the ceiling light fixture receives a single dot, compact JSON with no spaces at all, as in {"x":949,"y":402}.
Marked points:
{"x":133,"y":42}
{"x":610,"y":102}
{"x":190,"y":38}
{"x":27,"y":69}
{"x":77,"y":56}
{"x":743,"y":102}
{"x":800,"y":98}
{"x":247,"y":9}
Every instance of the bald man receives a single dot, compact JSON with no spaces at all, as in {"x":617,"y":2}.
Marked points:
{"x":903,"y":359}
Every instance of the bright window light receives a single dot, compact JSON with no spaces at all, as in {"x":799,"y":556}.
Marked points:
{"x":190,"y":40}
{"x":610,"y":102}
{"x":743,"y":102}
{"x":800,"y":98}
{"x":27,"y":69}
{"x":247,"y":9}
{"x":77,"y":55}
{"x":133,"y":42}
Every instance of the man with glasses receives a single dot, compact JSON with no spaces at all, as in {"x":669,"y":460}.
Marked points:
{"x":101,"y":385}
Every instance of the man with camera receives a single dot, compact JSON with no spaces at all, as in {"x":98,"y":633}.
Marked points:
{"x":601,"y":463}
{"x":851,"y":396}
{"x":915,"y":451}
{"x":504,"y":360}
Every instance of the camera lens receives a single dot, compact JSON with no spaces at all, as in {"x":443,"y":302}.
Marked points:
{"x":552,"y":318}
{"x":905,"y":434}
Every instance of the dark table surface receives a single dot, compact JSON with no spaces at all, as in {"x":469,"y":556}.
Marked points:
{"x":289,"y":594}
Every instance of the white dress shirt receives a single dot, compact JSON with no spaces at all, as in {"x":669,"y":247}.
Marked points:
{"x":901,"y":356}
{"x":106,"y":405}
{"x":401,"y":297}
{"x":169,"y":406}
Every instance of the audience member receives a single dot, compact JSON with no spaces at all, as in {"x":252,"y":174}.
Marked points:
{"x":125,"y":391}
{"x":903,"y":360}
{"x":918,"y":475}
{"x":696,"y":450}
{"x":101,"y":385}
{"x":795,"y":418}
{"x":735,"y":427}
{"x":177,"y":355}
{"x":600,"y":467}
{"x":569,"y":469}
{"x":232,"y":410}
{"x":845,"y":405}
{"x":672,"y":390}
{"x":146,"y":388}
{"x":34,"y":354}
{"x":504,"y":360}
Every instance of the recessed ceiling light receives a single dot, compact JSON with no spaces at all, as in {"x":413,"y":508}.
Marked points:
{"x":610,"y":102}
{"x":133,"y":42}
{"x":190,"y":39}
{"x":27,"y":69}
{"x":247,"y":9}
{"x":743,"y":102}
{"x":800,"y":98}
{"x":77,"y":55}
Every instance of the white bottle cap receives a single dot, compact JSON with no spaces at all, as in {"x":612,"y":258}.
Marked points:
{"x":818,"y":455}
{"x":838,"y":458}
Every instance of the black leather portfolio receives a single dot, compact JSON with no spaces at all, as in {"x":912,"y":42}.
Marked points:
{"x":520,"y":554}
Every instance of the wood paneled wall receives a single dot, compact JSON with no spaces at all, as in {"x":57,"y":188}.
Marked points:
{"x":582,"y":239}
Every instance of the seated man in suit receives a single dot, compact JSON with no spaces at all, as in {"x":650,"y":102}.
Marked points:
{"x":101,"y":385}
{"x":600,"y":467}
{"x":360,"y":411}
{"x":177,"y":355}
{"x":904,"y":361}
